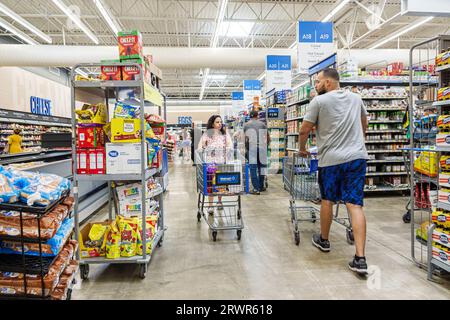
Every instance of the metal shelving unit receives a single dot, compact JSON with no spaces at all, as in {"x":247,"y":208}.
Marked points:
{"x":108,"y":86}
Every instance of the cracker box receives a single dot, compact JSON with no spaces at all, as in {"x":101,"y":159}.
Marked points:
{"x":97,"y":161}
{"x":444,"y":179}
{"x":441,"y":219}
{"x":90,"y":137}
{"x":124,"y":158}
{"x":441,"y":253}
{"x":443,"y":139}
{"x":443,"y":59}
{"x":441,"y":237}
{"x":82,"y":161}
{"x":109,"y":72}
{"x":130,"y":45}
{"x":444,"y":195}
{"x":91,"y":252}
{"x":132,"y":72}
{"x":443,"y":94}
{"x":125,"y":130}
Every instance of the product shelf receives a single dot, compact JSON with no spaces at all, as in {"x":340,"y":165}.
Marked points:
{"x":26,"y":264}
{"x":440,"y":264}
{"x":107,"y":84}
{"x":385,"y":161}
{"x":441,"y":103}
{"x":290,"y":149}
{"x":300,"y":102}
{"x":386,"y":141}
{"x":376,"y":174}
{"x":442,"y":68}
{"x":385,"y":109}
{"x":384,"y":151}
{"x":384,"y":98}
{"x":443,"y":205}
{"x":292,"y":134}
{"x":386,"y":189}
{"x":385,"y":121}
{"x":294,"y":119}
{"x":384,"y":131}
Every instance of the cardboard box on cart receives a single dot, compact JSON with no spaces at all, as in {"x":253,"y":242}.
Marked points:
{"x":130,"y":45}
{"x":91,"y":252}
{"x":124,"y":158}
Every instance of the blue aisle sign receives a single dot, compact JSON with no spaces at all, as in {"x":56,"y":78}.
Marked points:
{"x":40,"y":106}
{"x":252,"y":89}
{"x":237,"y":95}
{"x":278,"y":73}
{"x":315,"y":43}
{"x":315,"y":32}
{"x":250,"y":85}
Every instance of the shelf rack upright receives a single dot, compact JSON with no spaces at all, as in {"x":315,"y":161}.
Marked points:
{"x":105,"y":87}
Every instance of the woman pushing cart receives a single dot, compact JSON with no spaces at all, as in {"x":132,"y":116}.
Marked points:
{"x":223,"y":173}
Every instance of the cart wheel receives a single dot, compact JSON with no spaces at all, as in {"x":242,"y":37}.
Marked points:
{"x":239,"y":234}
{"x":84,"y":271}
{"x":407,"y":217}
{"x":214,"y":235}
{"x":199,"y":217}
{"x":313,"y":217}
{"x":297,"y":238}
{"x":142,"y":271}
{"x":69,"y":295}
{"x":350,"y":237}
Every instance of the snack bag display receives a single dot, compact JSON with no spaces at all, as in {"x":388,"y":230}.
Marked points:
{"x":113,"y":241}
{"x":126,"y":111}
{"x":90,"y":114}
{"x":443,"y":59}
{"x":443,"y":94}
{"x":150,"y":232}
{"x":128,"y":236}
{"x":7,"y":191}
{"x":96,"y":234}
{"x":443,"y":122}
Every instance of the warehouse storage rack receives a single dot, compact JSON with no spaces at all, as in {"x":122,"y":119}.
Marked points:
{"x":109,"y":89}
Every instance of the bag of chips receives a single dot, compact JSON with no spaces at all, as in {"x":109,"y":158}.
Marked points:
{"x":128,"y":236}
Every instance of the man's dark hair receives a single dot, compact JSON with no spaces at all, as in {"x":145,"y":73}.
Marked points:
{"x":254,"y":114}
{"x":331,"y":73}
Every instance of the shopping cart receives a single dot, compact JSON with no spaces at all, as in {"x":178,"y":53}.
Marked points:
{"x":229,"y":180}
{"x":300,"y":176}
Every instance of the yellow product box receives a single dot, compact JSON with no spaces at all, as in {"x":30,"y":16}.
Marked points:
{"x":443,"y":93}
{"x":441,"y":219}
{"x":443,"y":59}
{"x":443,"y":139}
{"x":87,"y":252}
{"x":441,"y":253}
{"x":427,"y":163}
{"x":444,"y":162}
{"x":441,"y":237}
{"x":443,"y":122}
{"x":125,"y":130}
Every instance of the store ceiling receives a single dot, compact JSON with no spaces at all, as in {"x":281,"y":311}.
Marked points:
{"x":192,"y":23}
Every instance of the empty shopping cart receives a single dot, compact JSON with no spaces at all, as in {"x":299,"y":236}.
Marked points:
{"x":300,"y":176}
{"x":229,"y":180}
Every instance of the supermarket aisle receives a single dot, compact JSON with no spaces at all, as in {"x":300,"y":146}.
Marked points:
{"x":265,"y":264}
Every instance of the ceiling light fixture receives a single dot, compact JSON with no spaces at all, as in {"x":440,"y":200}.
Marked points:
{"x":76,"y":20}
{"x":400,"y":33}
{"x":24,"y":23}
{"x":219,"y":20}
{"x":262,"y":76}
{"x":335,"y":10}
{"x":9,"y":27}
{"x":107,"y":16}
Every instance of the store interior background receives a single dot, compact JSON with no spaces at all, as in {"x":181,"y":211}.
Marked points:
{"x":205,"y":49}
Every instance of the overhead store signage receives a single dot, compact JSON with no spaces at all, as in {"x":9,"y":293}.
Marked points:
{"x":184,"y":120}
{"x":315,"y":42}
{"x":237,"y":99}
{"x":252,"y":89}
{"x":278,"y":73}
{"x":425,"y":8}
{"x":40,"y":106}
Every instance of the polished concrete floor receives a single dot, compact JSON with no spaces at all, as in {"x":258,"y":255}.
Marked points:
{"x":266,"y":264}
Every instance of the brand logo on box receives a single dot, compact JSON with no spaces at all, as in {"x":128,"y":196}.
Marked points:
{"x":441,"y":218}
{"x":113,"y":154}
{"x":443,"y":238}
{"x":128,"y":40}
{"x":447,"y":139}
{"x":443,"y":256}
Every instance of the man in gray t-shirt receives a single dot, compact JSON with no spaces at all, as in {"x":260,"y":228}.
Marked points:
{"x":340,"y":120}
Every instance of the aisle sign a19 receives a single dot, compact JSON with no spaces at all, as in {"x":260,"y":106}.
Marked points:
{"x":315,"y":42}
{"x":278,"y":73}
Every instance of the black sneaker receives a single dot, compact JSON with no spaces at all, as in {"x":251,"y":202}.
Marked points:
{"x":323,"y":245}
{"x":359,"y":266}
{"x":254,"y":192}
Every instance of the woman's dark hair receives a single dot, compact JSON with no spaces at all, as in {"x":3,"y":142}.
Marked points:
{"x":210,"y":125}
{"x":17,"y":131}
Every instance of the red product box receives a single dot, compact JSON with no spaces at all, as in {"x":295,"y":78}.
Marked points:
{"x":82,"y":161}
{"x":111,"y":73}
{"x":90,"y":137}
{"x":157,"y":160}
{"x":97,"y":161}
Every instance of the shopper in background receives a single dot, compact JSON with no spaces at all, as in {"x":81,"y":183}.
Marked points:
{"x":186,"y":146}
{"x":14,"y":142}
{"x":216,"y":145}
{"x":256,"y":150}
{"x":340,"y":119}
{"x":196,"y":134}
